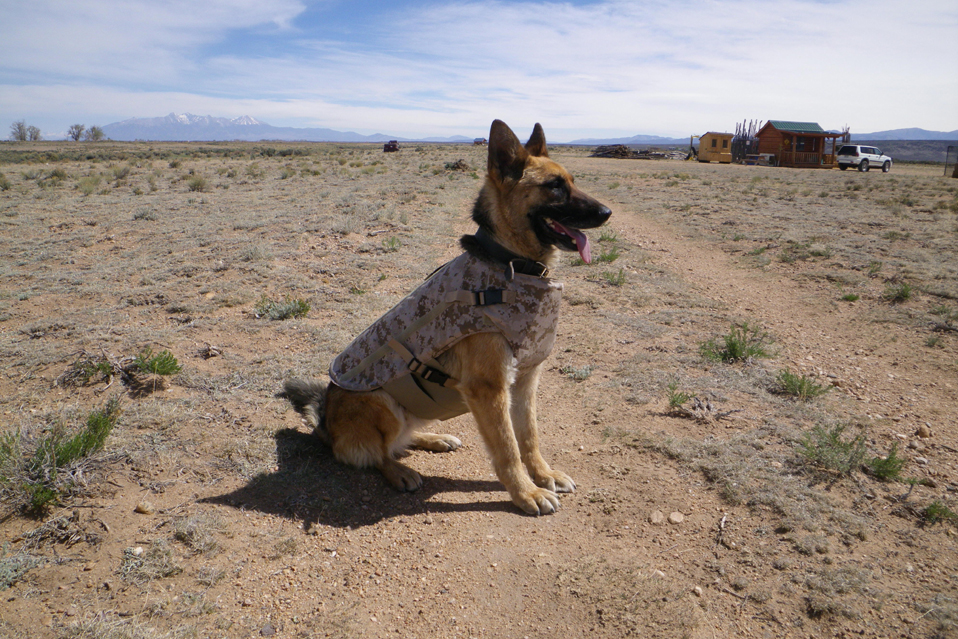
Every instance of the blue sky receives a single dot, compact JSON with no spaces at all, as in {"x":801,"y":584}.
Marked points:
{"x":425,"y":68}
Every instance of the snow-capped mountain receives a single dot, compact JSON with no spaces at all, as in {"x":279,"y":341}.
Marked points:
{"x":195,"y":128}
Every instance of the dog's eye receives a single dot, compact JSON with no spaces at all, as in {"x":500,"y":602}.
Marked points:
{"x":557,"y":186}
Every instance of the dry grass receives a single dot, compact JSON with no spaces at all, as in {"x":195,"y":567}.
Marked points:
{"x":172,"y":247}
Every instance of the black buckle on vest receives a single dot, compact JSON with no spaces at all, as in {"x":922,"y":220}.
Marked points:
{"x":488,"y":297}
{"x":428,"y":373}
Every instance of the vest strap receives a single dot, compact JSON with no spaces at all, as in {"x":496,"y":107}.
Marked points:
{"x":427,"y":372}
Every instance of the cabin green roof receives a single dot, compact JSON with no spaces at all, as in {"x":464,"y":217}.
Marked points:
{"x":797,"y":127}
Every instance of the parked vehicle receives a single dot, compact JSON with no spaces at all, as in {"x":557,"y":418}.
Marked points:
{"x":862,"y":158}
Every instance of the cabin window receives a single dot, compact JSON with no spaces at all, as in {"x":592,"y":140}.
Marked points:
{"x":714,"y":143}
{"x":724,"y":144}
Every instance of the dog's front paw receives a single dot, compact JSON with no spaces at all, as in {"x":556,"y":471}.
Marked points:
{"x":537,"y":501}
{"x":556,"y":481}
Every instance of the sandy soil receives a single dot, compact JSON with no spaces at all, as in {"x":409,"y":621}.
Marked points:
{"x":714,"y":526}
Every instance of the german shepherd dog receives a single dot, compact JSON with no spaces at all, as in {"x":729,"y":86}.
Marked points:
{"x":528,"y":210}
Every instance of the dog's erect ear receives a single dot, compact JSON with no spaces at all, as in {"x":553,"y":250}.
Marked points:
{"x":507,"y":157}
{"x":537,"y":142}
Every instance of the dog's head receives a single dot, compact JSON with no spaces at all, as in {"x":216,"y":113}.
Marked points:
{"x":531,"y":204}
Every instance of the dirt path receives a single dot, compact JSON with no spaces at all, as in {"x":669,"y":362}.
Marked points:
{"x":882,"y":366}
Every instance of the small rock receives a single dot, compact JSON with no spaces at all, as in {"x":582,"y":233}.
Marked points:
{"x":923,"y":431}
{"x":268,"y":630}
{"x":144,"y":508}
{"x":658,"y":574}
{"x":656,"y":518}
{"x":676,"y":518}
{"x":697,"y":591}
{"x":921,"y":460}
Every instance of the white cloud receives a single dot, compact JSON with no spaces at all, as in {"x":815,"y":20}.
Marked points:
{"x":651,"y":67}
{"x":140,"y":42}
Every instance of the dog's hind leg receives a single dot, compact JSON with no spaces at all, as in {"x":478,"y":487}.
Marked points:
{"x":422,"y":439}
{"x":434,"y":442}
{"x":367,"y":429}
{"x":527,"y":434}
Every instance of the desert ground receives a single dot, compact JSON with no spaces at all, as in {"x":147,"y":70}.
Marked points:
{"x":807,"y":487}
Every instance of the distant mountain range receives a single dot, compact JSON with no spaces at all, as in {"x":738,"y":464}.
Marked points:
{"x":207,"y":128}
{"x":894,"y":134}
{"x":907,"y":134}
{"x":647,"y":140}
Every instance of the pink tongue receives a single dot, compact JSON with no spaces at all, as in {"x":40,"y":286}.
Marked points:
{"x":581,"y":241}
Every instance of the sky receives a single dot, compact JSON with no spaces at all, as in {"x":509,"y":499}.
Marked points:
{"x":424,"y":68}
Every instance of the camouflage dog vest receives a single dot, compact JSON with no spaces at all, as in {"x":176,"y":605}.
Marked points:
{"x":464,"y":297}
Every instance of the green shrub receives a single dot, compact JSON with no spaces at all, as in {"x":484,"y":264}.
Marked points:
{"x":577,"y":373}
{"x":287,"y":309}
{"x":614,"y":279}
{"x":13,"y":567}
{"x":163,"y":363}
{"x":936,"y":512}
{"x":31,"y":479}
{"x":887,"y":468}
{"x":87,"y":185}
{"x":799,"y":386}
{"x":828,"y":448}
{"x":898,"y":293}
{"x":608,"y":255}
{"x":197,"y":184}
{"x":91,"y":438}
{"x":741,"y":343}
{"x":676,"y":397}
{"x":148,"y":215}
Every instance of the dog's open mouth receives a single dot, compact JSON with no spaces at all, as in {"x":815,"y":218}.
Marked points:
{"x":571,"y":239}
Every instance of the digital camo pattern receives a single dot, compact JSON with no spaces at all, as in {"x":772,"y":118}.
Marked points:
{"x":528,"y":323}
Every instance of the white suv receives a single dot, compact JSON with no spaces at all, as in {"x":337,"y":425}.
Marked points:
{"x":862,"y":158}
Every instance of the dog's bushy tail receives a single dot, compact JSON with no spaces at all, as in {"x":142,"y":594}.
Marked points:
{"x":309,"y":400}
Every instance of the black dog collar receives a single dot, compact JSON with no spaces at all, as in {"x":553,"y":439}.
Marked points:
{"x":514,"y":263}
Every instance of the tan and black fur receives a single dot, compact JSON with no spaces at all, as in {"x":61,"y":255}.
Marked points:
{"x":526,"y":204}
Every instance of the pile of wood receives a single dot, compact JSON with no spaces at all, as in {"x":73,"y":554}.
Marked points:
{"x":619,"y":151}
{"x":622,"y":152}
